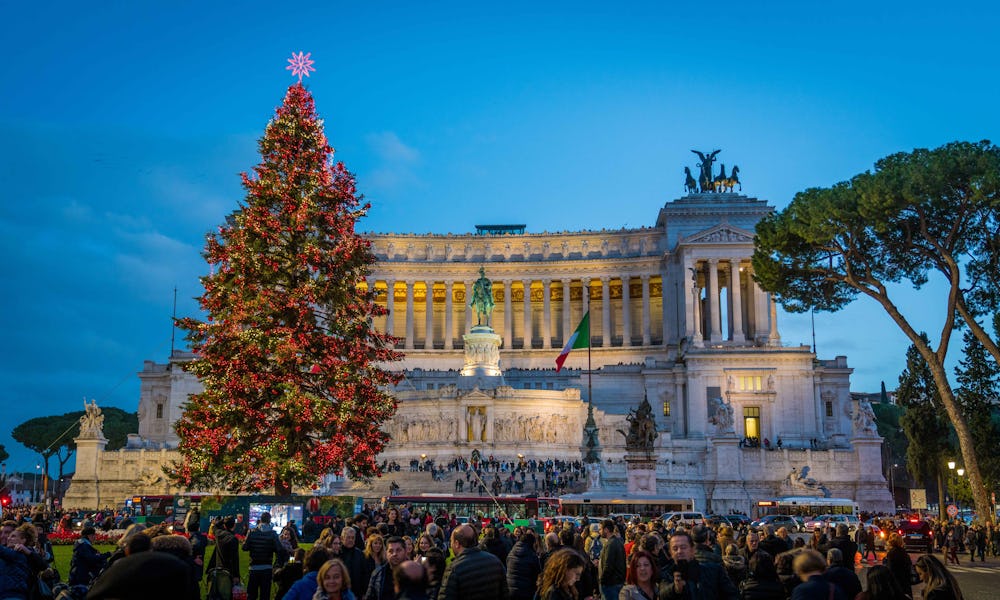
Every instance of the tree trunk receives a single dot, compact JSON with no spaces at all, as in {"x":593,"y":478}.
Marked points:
{"x":282,"y":488}
{"x":979,"y":496}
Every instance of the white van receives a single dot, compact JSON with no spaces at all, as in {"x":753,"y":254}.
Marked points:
{"x":687,"y":519}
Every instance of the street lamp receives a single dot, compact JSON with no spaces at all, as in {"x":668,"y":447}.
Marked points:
{"x":34,"y":482}
{"x":951,"y":465}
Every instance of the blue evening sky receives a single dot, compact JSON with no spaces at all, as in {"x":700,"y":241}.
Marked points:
{"x":124,"y":126}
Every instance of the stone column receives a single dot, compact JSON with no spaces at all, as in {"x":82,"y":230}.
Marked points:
{"x":449,"y":334}
{"x":713,"y":296}
{"x":646,"y":333}
{"x":690,"y":277}
{"x":773,"y":337}
{"x":736,"y":300}
{"x":605,"y":312}
{"x":429,"y":316}
{"x":698,"y":335}
{"x":626,"y":312}
{"x":678,"y":410}
{"x":390,"y":301}
{"x":546,"y":314}
{"x":508,"y":321}
{"x":526,"y":307}
{"x":567,"y":317}
{"x":409,"y":315}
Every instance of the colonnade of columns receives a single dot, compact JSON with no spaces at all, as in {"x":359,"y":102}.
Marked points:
{"x":750,"y":312}
{"x":611,"y":326}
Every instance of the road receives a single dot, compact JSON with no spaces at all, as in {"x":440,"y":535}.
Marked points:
{"x":978,"y":580}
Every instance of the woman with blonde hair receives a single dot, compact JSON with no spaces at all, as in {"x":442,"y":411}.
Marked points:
{"x":562,"y":571}
{"x":939,"y":583}
{"x":333,"y":582}
{"x":898,"y":561}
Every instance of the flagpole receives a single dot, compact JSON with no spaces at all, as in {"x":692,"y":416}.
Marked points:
{"x":590,"y":429}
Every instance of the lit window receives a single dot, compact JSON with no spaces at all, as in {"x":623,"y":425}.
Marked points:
{"x":751,"y":421}
{"x":666,"y":408}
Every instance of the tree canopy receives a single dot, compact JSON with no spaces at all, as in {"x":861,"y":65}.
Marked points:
{"x":917,"y":215}
{"x":289,"y":359}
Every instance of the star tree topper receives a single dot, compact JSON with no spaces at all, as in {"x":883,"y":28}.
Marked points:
{"x":300,"y":64}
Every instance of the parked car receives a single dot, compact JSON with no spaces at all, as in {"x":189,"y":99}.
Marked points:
{"x":778,"y":521}
{"x":556,"y":522}
{"x":688,"y":519}
{"x":916,"y":534}
{"x":738,"y":519}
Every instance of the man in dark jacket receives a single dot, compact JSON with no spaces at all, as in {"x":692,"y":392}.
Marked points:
{"x":410,"y":581}
{"x":809,"y":567}
{"x":263,"y":545}
{"x":523,"y":568}
{"x":693,"y":580}
{"x":473,"y":574}
{"x":848,"y":549}
{"x":354,"y":560}
{"x":611,"y":565}
{"x":226,"y":554}
{"x":771,"y":543}
{"x":87,"y":563}
{"x":846,"y":579}
{"x":380,"y":586}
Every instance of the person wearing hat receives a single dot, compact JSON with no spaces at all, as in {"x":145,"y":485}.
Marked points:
{"x":263,"y":545}
{"x":87,"y":562}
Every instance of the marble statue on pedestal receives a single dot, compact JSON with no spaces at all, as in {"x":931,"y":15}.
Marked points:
{"x":92,"y":421}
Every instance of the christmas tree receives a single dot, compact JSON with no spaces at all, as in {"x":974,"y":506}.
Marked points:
{"x":292,"y":368}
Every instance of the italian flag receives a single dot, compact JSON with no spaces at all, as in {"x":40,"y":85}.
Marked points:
{"x":579,"y":339}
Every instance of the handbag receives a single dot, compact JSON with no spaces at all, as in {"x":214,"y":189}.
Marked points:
{"x":218,"y":580}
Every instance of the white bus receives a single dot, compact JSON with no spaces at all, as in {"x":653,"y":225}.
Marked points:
{"x":805,"y":506}
{"x":604,"y":504}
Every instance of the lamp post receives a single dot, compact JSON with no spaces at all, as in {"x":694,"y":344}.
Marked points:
{"x":892,"y":485}
{"x":34,"y":482}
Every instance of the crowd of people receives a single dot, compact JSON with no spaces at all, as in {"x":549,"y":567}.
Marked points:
{"x":395,"y":553}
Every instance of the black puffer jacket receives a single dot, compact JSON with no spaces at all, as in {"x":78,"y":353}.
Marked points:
{"x":523,"y":567}
{"x":474,"y":575}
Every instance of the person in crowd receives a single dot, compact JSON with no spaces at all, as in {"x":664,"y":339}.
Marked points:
{"x":691,"y":580}
{"x":144,"y":576}
{"x":523,"y":568}
{"x":179,"y":547}
{"x":87,"y":562}
{"x":562,"y":571}
{"x":306,"y":586}
{"x":425,"y":542}
{"x":394,"y":524}
{"x":409,"y":579}
{"x":762,"y":581}
{"x":611,"y":565}
{"x":494,"y":544}
{"x":848,"y":549}
{"x":735,"y":566}
{"x":751,"y":547}
{"x":818,"y":540}
{"x":771,"y":543}
{"x":121,"y":547}
{"x":880,"y":584}
{"x":354,"y":560}
{"x":287,"y":574}
{"x":16,"y":557}
{"x":199,"y":545}
{"x":263,"y":545}
{"x":380,"y":586}
{"x":809,"y":567}
{"x":898,"y":562}
{"x":434,"y":564}
{"x":473,"y":574}
{"x":939,"y":583}
{"x":704,"y":551}
{"x":374,"y":554}
{"x":333,"y":582}
{"x":226,"y":554}
{"x":642,"y":579}
{"x":846,"y":579}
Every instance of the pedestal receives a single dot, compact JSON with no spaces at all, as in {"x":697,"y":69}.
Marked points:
{"x":85,"y":488}
{"x":482,"y":352}
{"x":640,"y":474}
